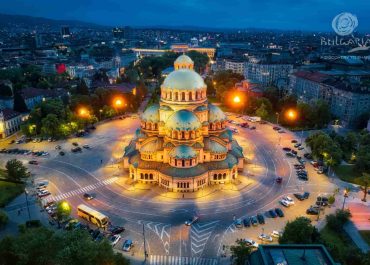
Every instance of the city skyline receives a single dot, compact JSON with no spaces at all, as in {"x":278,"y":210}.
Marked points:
{"x":309,"y":15}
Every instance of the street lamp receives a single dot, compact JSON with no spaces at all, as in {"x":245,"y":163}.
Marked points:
{"x":236,"y":99}
{"x":277,"y":117}
{"x":345,"y":196}
{"x":100,"y":112}
{"x":83,"y":112}
{"x":28,"y":207}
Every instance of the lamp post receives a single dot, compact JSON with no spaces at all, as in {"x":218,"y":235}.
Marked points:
{"x":100,"y":112}
{"x":28,"y":207}
{"x":277,"y":117}
{"x":345,"y":196}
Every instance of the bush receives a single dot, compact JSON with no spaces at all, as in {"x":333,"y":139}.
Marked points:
{"x":3,"y":219}
{"x":331,"y":199}
{"x":336,"y":221}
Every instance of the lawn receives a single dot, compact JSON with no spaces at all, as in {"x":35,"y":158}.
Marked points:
{"x":365,"y":235}
{"x":347,"y":173}
{"x":8,"y":190}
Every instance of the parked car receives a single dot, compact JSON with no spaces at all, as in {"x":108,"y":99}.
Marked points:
{"x":61,"y":153}
{"x":113,"y":239}
{"x":294,"y":141}
{"x":247,"y":222}
{"x":127,"y":245}
{"x":276,"y":234}
{"x":250,"y":242}
{"x":75,"y":144}
{"x":115,"y":230}
{"x":279,"y":212}
{"x":33,"y":162}
{"x":86,"y":146}
{"x":260,"y":218}
{"x":238,"y":223}
{"x":312,"y":211}
{"x":254,"y":221}
{"x":289,"y":200}
{"x":300,"y":148}
{"x":272,"y":213}
{"x":284,"y":203}
{"x":265,"y":237}
{"x":287,"y":149}
{"x":279,"y":180}
{"x":297,"y":145}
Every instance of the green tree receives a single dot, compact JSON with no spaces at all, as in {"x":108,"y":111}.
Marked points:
{"x":299,"y":231}
{"x":200,"y":60}
{"x":51,"y":125}
{"x":262,"y":111}
{"x":325,"y":148}
{"x":240,"y":252}
{"x":16,"y":170}
{"x":63,"y":211}
{"x":19,"y":103}
{"x":322,"y":114}
{"x":336,"y":221}
{"x":364,"y":181}
{"x":3,"y":219}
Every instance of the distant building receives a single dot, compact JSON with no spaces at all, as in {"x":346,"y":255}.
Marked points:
{"x":291,"y":254}
{"x":346,"y":100}
{"x":251,"y":89}
{"x":34,"y":96}
{"x":65,"y":32}
{"x":49,"y":69}
{"x":178,"y":48}
{"x":235,"y":66}
{"x":267,"y":73}
{"x":117,"y":33}
{"x":10,"y":122}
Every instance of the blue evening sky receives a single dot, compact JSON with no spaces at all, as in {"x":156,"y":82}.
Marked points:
{"x":276,"y":14}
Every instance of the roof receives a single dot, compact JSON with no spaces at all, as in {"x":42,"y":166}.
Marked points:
{"x":227,"y":134}
{"x":31,"y":92}
{"x":122,"y":87}
{"x":8,"y":114}
{"x":184,"y":79}
{"x":215,"y":114}
{"x":183,"y":152}
{"x":312,"y":76}
{"x":214,"y":146}
{"x":151,"y":147}
{"x":291,"y":254}
{"x":183,"y":120}
{"x":151,"y":114}
{"x":200,"y":108}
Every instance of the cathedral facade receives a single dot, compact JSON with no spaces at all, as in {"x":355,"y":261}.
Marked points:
{"x":183,"y":143}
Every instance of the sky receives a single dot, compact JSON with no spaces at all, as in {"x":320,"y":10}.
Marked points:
{"x":311,"y":15}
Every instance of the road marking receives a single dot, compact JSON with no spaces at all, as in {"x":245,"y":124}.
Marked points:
{"x":78,"y":191}
{"x":177,"y":260}
{"x":199,"y":235}
{"x":162,"y":230}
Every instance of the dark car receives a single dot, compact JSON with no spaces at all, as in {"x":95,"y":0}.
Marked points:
{"x":117,"y":230}
{"x":294,"y":152}
{"x":306,"y":195}
{"x":308,"y":155}
{"x":252,"y":128}
{"x":287,"y":149}
{"x":276,"y":128}
{"x":247,"y":222}
{"x":272,"y":213}
{"x":312,"y":211}
{"x":294,"y":141}
{"x":279,"y":180}
{"x":279,"y":212}
{"x":61,"y":153}
{"x":95,"y":233}
{"x":33,"y":162}
{"x":299,"y":196}
{"x":260,"y":218}
{"x":76,"y":149}
{"x":75,"y":144}
{"x":254,"y":220}
{"x":289,"y":154}
{"x":303,"y":177}
{"x":88,"y":196}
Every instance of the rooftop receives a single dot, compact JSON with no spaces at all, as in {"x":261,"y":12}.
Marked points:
{"x":8,"y":114}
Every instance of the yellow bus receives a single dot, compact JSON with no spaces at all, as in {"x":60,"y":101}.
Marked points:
{"x":92,"y":216}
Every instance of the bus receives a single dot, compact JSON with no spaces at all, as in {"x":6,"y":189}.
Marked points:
{"x":92,"y":216}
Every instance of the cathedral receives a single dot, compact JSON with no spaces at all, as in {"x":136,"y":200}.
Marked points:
{"x":183,"y":143}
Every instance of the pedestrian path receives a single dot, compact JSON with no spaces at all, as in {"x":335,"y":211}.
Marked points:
{"x":199,"y":235}
{"x":82,"y":190}
{"x":176,"y":260}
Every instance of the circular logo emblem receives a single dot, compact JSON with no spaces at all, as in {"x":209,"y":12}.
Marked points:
{"x":344,"y":23}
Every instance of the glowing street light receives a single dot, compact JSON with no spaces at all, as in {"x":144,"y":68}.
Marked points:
{"x":118,"y":103}
{"x":291,"y":114}
{"x":83,"y":112}
{"x":65,"y":206}
{"x":237,"y":99}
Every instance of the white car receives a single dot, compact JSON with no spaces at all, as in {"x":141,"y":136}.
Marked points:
{"x":289,"y":200}
{"x":191,"y":221}
{"x":276,"y":234}
{"x":265,"y":237}
{"x":284,"y":203}
{"x":251,"y":242}
{"x":113,"y":239}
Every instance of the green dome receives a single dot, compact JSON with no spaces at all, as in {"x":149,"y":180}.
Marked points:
{"x":183,"y":152}
{"x":215,"y":147}
{"x":184,"y":59}
{"x":183,"y":120}
{"x":184,"y":79}
{"x":216,"y":114}
{"x":200,"y":108}
{"x":151,"y":114}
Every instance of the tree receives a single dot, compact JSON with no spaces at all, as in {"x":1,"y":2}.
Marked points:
{"x":262,"y":111}
{"x":69,"y":247}
{"x":325,"y":148}
{"x":364,"y":181}
{"x":5,"y":91}
{"x":19,"y":103}
{"x":16,"y":170}
{"x":240,"y":252}
{"x":50,"y":125}
{"x":299,"y":231}
{"x":3,"y":219}
{"x":63,"y":211}
{"x":82,"y":88}
{"x":336,"y":221}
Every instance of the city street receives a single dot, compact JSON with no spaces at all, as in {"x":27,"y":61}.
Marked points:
{"x":159,"y":215}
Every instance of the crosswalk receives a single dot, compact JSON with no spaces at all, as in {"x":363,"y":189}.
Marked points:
{"x":199,"y":235}
{"x":82,"y":190}
{"x":176,"y":260}
{"x":162,"y":230}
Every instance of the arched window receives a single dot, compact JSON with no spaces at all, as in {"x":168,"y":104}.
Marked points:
{"x":191,"y":96}
{"x":141,"y":175}
{"x":183,"y":96}
{"x":224,"y":175}
{"x":183,"y":162}
{"x":150,"y":176}
{"x":219,"y":176}
{"x":183,"y":135}
{"x":146,"y":176}
{"x":215,"y":176}
{"x":176,"y":96}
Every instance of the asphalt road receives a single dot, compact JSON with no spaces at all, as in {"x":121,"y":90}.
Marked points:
{"x":94,"y":170}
